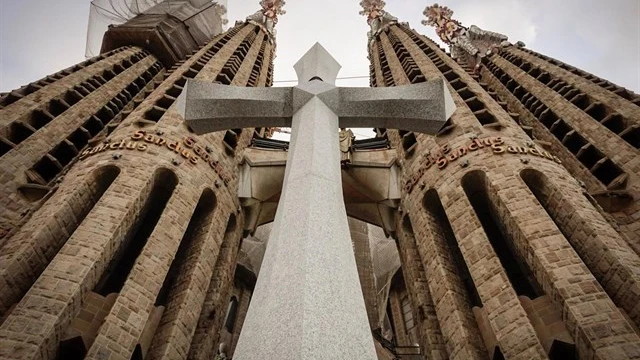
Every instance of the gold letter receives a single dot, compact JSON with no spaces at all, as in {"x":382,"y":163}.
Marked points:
{"x":497,"y":149}
{"x":137,"y":135}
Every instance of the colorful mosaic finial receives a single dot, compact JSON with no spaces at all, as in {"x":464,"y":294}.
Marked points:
{"x":272,"y":8}
{"x":372,"y":9}
{"x":472,"y":43}
{"x":440,"y":18}
{"x":267,"y":17}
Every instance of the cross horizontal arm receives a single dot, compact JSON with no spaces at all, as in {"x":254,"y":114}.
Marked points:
{"x":208,"y":107}
{"x":423,"y":107}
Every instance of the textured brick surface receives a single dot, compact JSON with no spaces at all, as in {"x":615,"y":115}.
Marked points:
{"x":620,"y":152}
{"x":415,"y":278}
{"x":27,"y":153}
{"x":546,"y":251}
{"x":59,"y":292}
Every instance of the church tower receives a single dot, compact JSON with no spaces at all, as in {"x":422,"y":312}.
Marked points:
{"x":518,"y":224}
{"x":87,"y":267}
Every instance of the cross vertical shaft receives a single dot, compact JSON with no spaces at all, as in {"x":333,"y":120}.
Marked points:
{"x":308,"y":303}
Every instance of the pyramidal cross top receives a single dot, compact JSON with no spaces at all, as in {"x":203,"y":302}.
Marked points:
{"x":308,"y":295}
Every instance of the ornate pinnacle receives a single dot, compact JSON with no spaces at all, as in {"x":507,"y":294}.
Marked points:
{"x":372,"y":9}
{"x":272,"y":8}
{"x":440,"y":18}
{"x":473,"y":42}
{"x":222,"y":10}
{"x":436,"y":14}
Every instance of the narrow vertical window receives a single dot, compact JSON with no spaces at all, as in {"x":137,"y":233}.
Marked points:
{"x":116,"y":274}
{"x":232,"y":312}
{"x":475,"y":187}
{"x":407,"y":313}
{"x":195,"y":235}
{"x":442,"y":226}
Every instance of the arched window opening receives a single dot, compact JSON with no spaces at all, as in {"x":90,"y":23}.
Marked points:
{"x":232,"y":312}
{"x":435,"y":210}
{"x":54,"y":231}
{"x":193,"y":236}
{"x":475,"y":187}
{"x":211,"y":320}
{"x":165,"y":182}
{"x":407,"y":313}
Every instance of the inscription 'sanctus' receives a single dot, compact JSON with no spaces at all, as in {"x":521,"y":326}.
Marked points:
{"x":139,"y":140}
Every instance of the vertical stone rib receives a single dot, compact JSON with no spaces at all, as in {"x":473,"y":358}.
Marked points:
{"x":42,"y":157}
{"x":540,"y":132}
{"x":244,"y":71}
{"x":417,"y":284}
{"x":374,"y":57}
{"x":31,"y":250}
{"x":155,"y":111}
{"x":269,"y":52}
{"x":629,"y":112}
{"x":613,"y":149}
{"x":57,"y":85}
{"x":212,"y":313}
{"x":609,"y":92}
{"x":179,"y":321}
{"x":609,"y":258}
{"x":123,"y":326}
{"x":95,"y":242}
{"x":509,"y":322}
{"x":399,"y":77}
{"x":595,"y":136}
{"x":452,"y":304}
{"x":560,"y":271}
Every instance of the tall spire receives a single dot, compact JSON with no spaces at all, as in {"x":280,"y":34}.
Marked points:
{"x":473,"y":42}
{"x":267,"y":17}
{"x":377,"y":18}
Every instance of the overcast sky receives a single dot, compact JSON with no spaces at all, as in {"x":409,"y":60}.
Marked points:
{"x":40,"y":37}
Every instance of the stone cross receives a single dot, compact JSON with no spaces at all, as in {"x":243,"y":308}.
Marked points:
{"x":308,"y":303}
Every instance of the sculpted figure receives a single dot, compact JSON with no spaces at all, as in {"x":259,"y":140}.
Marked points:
{"x":346,"y":141}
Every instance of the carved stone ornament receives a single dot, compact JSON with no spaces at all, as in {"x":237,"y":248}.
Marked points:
{"x":471,"y":43}
{"x":377,"y":18}
{"x":267,"y":17}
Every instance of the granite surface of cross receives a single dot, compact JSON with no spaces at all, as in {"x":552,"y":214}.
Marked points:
{"x":308,"y":303}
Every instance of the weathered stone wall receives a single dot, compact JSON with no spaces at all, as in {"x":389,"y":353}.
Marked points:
{"x":43,"y":130}
{"x":481,"y":155}
{"x":593,"y":125}
{"x":150,"y":154}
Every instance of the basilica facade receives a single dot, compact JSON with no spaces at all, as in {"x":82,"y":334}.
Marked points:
{"x":512,"y":233}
